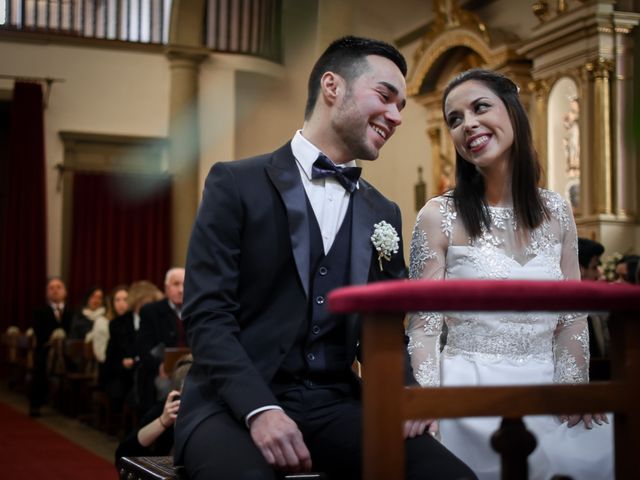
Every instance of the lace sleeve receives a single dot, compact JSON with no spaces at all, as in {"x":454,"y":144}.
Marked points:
{"x":427,"y":261}
{"x":571,"y":339}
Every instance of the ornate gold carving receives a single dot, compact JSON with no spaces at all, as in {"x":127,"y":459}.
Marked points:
{"x":540,"y":88}
{"x":562,"y":6}
{"x":600,"y":68}
{"x":431,"y":51}
{"x":541,"y":10}
{"x":449,"y":16}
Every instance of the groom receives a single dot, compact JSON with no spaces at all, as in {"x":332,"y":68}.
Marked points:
{"x":271,"y":389}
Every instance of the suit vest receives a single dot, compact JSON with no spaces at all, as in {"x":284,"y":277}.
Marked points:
{"x":319,"y":351}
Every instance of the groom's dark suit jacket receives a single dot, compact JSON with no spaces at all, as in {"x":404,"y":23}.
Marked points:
{"x":247,"y":281}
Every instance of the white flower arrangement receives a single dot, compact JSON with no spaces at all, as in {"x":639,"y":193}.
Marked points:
{"x":386,"y":241}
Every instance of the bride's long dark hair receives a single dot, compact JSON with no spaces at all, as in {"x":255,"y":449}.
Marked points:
{"x":468,"y":194}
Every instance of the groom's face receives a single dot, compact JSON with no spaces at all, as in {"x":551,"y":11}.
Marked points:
{"x":368,"y":111}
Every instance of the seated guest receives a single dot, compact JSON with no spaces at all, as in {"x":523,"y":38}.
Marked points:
{"x":122,"y":356}
{"x":589,"y":253}
{"x":155,"y":437}
{"x":99,"y":334}
{"x":160,"y":327}
{"x":626,"y":267}
{"x":54,"y":315}
{"x":93,"y":308}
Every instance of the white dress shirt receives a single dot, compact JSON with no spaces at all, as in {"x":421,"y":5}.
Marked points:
{"x":329,"y":200}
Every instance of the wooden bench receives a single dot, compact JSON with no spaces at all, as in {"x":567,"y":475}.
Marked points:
{"x":162,"y":468}
{"x":387,"y":402}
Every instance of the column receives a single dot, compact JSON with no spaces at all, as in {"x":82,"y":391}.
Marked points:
{"x":602,"y":170}
{"x":184,"y":149}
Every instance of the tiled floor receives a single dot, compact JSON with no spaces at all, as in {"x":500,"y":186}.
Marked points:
{"x":97,"y":442}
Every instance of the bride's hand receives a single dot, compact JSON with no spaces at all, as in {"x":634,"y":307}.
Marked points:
{"x":587,"y":418}
{"x":414,"y":428}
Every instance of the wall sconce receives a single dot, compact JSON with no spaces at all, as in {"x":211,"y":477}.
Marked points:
{"x":420,"y":191}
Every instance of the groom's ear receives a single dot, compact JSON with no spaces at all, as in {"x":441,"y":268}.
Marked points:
{"x":332,"y":86}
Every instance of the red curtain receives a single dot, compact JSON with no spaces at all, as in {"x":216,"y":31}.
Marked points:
{"x":23,"y":249}
{"x":121,"y":230}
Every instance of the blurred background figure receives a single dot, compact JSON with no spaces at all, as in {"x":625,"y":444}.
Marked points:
{"x":161,"y":326}
{"x":626,"y":268}
{"x":154,"y":435}
{"x":122,"y":355}
{"x":93,"y":308}
{"x":589,"y":253}
{"x":55,"y":315}
{"x":99,"y":335}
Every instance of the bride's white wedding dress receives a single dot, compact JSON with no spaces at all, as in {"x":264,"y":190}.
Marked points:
{"x":506,"y":349}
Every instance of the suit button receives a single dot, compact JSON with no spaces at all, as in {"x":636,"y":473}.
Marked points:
{"x":319,"y":299}
{"x":311,"y":357}
{"x":323,"y":271}
{"x":315,"y":329}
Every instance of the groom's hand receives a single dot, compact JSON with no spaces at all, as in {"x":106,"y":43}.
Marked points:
{"x":415,"y":428}
{"x":280,"y":441}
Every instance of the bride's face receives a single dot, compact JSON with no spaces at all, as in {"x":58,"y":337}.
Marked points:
{"x":479,"y":125}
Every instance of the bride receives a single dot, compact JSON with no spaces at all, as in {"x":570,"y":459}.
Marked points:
{"x":497,"y":224}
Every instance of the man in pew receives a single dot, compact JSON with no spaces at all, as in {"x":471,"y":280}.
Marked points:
{"x":55,"y":314}
{"x":160,"y":327}
{"x":271,"y":388}
{"x":589,"y":253}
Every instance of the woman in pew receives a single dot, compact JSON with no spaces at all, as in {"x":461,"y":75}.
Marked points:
{"x":497,"y":224}
{"x":93,"y":309}
{"x":155,"y":437}
{"x":122,"y":357}
{"x":99,"y":334}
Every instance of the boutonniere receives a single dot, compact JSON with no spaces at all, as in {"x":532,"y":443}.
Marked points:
{"x":386,"y":241}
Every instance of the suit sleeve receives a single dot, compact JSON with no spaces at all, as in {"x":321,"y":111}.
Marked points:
{"x":211,"y":303}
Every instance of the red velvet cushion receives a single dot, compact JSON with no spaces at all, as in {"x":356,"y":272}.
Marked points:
{"x":487,"y":295}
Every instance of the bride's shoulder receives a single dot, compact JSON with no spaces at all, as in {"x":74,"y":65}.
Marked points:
{"x":441,"y":203}
{"x":436,"y":210}
{"x":554,"y":202}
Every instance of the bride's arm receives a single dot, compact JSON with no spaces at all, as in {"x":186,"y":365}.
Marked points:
{"x":427,"y":261}
{"x":571,"y":338}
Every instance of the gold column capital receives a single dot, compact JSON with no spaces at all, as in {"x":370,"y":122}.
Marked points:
{"x":541,"y":10}
{"x":540,"y":88}
{"x":599,"y":68}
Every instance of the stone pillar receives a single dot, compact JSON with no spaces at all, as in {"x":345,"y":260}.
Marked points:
{"x":540,"y":90}
{"x":602,"y":169}
{"x":184,"y":149}
{"x":624,"y":142}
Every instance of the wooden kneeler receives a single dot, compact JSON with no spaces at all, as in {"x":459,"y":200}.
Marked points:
{"x":387,"y":402}
{"x":162,"y":468}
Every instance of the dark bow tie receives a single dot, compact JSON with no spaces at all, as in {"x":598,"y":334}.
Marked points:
{"x":347,"y":176}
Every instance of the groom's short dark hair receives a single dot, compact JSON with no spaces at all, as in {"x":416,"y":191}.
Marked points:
{"x":346,"y":56}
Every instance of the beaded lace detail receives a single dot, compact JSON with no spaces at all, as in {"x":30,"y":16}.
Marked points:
{"x":441,"y":248}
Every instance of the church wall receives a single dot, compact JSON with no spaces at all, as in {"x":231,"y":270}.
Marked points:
{"x":105,"y":91}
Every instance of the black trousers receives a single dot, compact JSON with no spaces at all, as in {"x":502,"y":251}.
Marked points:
{"x":331,"y":424}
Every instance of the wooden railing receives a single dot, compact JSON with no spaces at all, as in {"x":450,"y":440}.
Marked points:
{"x":250,"y":27}
{"x":387,"y":402}
{"x":141,"y":21}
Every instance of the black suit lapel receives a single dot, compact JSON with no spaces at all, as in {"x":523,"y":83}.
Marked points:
{"x":284,"y":173}
{"x":364,"y":217}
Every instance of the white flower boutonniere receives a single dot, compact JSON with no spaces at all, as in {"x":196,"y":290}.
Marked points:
{"x":386,"y":241}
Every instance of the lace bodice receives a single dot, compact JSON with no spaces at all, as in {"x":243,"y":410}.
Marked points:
{"x":441,"y":248}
